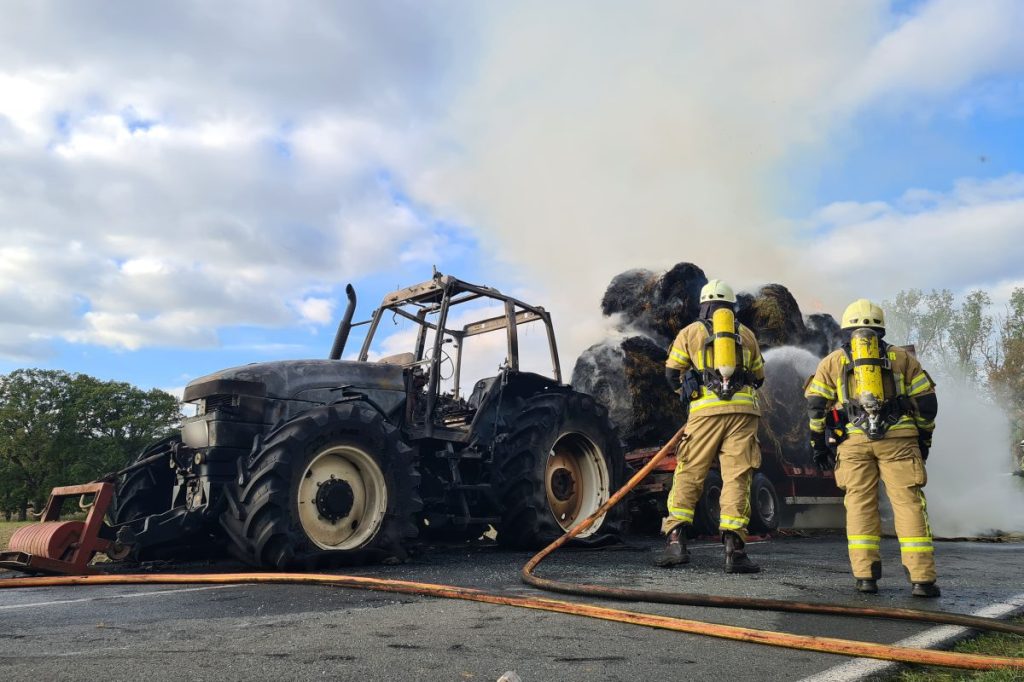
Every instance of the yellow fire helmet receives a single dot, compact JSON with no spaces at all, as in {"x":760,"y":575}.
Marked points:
{"x":863,"y":313}
{"x":717,"y":291}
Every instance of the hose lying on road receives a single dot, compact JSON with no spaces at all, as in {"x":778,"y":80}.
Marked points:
{"x":803,"y":642}
{"x":715,"y":601}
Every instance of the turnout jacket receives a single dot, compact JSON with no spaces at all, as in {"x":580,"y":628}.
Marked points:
{"x":912,"y":385}
{"x":687,"y":352}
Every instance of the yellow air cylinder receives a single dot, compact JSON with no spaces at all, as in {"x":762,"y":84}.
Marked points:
{"x":723,"y":326}
{"x":867,"y":378}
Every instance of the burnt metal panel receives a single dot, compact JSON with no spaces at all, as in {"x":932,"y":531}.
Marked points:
{"x":222,"y":383}
{"x":288,"y":378}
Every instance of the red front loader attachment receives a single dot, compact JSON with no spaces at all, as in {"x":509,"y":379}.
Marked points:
{"x":62,"y":547}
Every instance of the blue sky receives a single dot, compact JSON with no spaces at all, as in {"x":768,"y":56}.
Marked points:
{"x":179,"y":200}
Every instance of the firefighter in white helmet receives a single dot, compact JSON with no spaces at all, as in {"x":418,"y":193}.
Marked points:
{"x":716,"y":366}
{"x":878,"y":405}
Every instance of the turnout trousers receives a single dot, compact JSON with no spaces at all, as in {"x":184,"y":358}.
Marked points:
{"x":731,"y":439}
{"x":897,"y":462}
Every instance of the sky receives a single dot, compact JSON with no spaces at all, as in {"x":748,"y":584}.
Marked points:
{"x":189,"y":186}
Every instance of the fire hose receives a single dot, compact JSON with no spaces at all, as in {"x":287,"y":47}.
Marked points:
{"x":828,"y":645}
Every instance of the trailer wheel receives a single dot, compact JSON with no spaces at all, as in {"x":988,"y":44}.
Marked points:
{"x":708,"y":511}
{"x":765,"y":505}
{"x":335,"y":485}
{"x":559,"y":460}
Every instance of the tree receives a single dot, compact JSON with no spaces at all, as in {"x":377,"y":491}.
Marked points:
{"x":58,"y":428}
{"x":954,"y":338}
{"x":33,"y":422}
{"x":1005,"y":363}
{"x":917,"y":318}
{"x":967,"y":336}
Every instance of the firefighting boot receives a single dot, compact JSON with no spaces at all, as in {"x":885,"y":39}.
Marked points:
{"x":675,"y":552}
{"x":926,"y":590}
{"x":870,"y":585}
{"x":736,"y":560}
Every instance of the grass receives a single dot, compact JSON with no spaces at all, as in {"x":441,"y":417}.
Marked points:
{"x":996,"y":644}
{"x":7,"y":529}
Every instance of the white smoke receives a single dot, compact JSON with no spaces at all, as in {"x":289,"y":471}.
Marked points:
{"x":589,"y":138}
{"x":800,"y":359}
{"x":970,"y":490}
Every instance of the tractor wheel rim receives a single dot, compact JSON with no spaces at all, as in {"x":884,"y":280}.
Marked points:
{"x":576,"y":481}
{"x":353,"y":522}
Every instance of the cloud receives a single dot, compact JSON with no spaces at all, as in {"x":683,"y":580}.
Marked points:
{"x":165,"y":173}
{"x":316,"y":310}
{"x":176,"y":175}
{"x":966,"y":237}
{"x":943,"y":47}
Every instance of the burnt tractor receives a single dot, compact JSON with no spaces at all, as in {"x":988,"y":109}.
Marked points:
{"x":315,"y":463}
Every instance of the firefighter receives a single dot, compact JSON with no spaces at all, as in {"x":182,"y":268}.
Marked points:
{"x":715,"y":365}
{"x":886,"y":406}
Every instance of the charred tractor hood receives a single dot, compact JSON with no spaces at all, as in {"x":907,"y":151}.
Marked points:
{"x":307,"y":380}
{"x":234,"y":405}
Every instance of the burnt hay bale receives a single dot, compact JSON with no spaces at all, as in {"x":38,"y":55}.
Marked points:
{"x":678,"y":299}
{"x":823,"y":334}
{"x":656,"y":305}
{"x":630,"y":294}
{"x":627,"y":376}
{"x":773,"y":315}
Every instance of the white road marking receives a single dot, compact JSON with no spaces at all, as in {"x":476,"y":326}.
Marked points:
{"x":154,"y":593}
{"x":863,"y":668}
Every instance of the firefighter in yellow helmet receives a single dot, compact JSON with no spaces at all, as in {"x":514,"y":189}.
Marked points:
{"x":716,"y":366}
{"x":878,"y":405}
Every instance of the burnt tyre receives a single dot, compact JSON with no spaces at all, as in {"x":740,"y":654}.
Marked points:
{"x":148,"y":491}
{"x":560,"y":462}
{"x":766,"y":509}
{"x":145,"y":491}
{"x":706,"y":516}
{"x":334,"y":486}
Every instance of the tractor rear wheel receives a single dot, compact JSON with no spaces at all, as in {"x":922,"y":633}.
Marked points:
{"x":558,"y":462}
{"x":335,"y":485}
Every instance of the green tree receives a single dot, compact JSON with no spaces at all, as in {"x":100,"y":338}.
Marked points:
{"x":33,"y":426}
{"x":967,"y":336}
{"x":58,"y":428}
{"x":953,"y":337}
{"x":1005,"y":362}
{"x":113,"y":421}
{"x":919,"y":318}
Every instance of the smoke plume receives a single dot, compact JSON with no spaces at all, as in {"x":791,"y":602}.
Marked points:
{"x":970,"y":491}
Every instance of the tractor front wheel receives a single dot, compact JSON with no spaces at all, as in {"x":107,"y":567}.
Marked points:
{"x":335,"y":485}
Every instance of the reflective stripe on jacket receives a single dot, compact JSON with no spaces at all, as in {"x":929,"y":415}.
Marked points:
{"x":909,"y":378}
{"x":687,"y":352}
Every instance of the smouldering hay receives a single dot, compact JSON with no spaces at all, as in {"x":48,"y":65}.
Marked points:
{"x":657,"y":412}
{"x":628,"y":376}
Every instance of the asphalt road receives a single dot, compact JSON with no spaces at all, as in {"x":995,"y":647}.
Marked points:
{"x":299,"y":632}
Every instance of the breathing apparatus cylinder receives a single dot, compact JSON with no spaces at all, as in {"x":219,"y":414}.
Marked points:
{"x":868,"y":389}
{"x":723,"y":326}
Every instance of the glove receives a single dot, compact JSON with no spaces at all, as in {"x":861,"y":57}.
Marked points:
{"x":690,"y":386}
{"x":924,"y":441}
{"x":823,"y":457}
